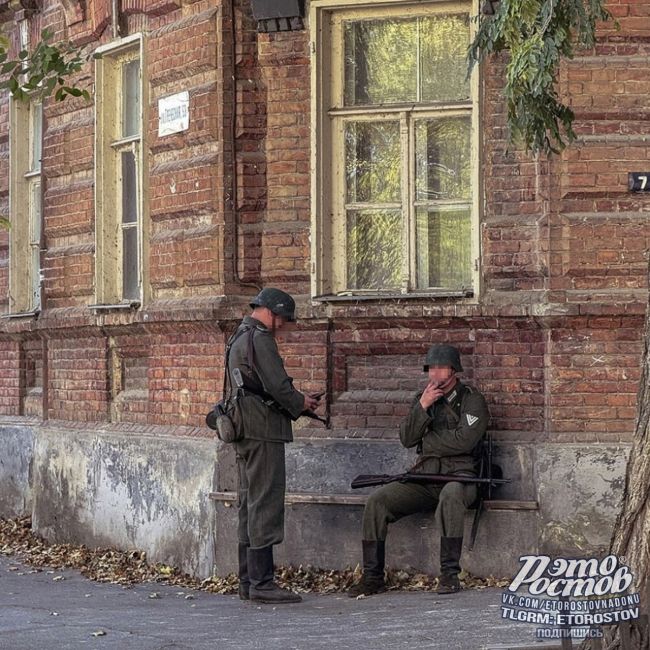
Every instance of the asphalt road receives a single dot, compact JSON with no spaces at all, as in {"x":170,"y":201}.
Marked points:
{"x":61,"y":610}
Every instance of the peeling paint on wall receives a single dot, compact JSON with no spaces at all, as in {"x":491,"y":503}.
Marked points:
{"x":145,"y":492}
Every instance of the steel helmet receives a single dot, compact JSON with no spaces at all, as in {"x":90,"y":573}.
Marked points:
{"x":278,"y":301}
{"x":443,"y":355}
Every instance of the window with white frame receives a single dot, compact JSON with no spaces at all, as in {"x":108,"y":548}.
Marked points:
{"x":25,"y":205}
{"x":119,"y":203}
{"x":395,"y":186}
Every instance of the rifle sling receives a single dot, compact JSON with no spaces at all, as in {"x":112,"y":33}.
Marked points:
{"x":227,"y":383}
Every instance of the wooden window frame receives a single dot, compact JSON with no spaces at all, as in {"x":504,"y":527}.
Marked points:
{"x":329,"y":113}
{"x":109,"y":146}
{"x":25,"y":207}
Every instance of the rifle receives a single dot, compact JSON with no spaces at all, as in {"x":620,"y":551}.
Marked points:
{"x":243,"y":383}
{"x":494,"y":474}
{"x":369,"y":480}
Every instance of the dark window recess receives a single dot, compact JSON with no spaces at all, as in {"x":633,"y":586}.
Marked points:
{"x":279,"y":15}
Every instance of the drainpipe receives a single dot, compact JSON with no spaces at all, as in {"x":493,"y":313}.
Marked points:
{"x":233,"y":153}
{"x":116,"y":10}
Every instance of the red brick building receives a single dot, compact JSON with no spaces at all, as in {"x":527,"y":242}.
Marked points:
{"x":336,"y":151}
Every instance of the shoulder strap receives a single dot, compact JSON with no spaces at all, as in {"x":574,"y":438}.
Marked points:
{"x":251,"y":349}
{"x":227,"y":387}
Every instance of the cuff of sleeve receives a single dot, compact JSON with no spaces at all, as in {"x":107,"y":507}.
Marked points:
{"x":297,"y":404}
{"x":420,"y":412}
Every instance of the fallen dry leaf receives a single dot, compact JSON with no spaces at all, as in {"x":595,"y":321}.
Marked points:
{"x":131,"y":567}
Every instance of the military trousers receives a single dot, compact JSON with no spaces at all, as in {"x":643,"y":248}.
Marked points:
{"x":262,"y":484}
{"x":396,"y":500}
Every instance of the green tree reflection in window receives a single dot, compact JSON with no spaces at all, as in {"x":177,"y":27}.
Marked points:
{"x":419,"y":61}
{"x":406,"y":60}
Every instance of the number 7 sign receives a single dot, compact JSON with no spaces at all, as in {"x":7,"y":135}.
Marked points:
{"x":638,"y":181}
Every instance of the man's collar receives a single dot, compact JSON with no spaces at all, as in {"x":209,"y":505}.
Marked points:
{"x":452,"y":393}
{"x":253,"y":322}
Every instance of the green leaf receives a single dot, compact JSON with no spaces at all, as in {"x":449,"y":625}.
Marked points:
{"x":75,"y":92}
{"x":537,"y":34}
{"x":49,"y":86}
{"x":46,"y":66}
{"x":9,"y":66}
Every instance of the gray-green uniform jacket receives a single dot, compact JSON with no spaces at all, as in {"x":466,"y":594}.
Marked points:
{"x":447,"y":434}
{"x":260,"y":421}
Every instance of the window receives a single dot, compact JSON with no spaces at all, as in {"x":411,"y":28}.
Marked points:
{"x":119,"y":204}
{"x":26,"y":128}
{"x":395,"y":184}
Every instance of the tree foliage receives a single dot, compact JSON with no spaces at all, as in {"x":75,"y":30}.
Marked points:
{"x":537,"y":34}
{"x":45,"y":71}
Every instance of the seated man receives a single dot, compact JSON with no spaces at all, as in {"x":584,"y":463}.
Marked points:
{"x":446,"y":423}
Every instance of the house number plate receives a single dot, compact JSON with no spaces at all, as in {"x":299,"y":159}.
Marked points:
{"x":638,"y":181}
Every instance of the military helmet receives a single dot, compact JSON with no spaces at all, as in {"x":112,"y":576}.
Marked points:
{"x":443,"y":355}
{"x":278,"y":301}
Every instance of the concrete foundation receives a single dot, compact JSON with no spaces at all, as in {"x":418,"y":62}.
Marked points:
{"x":103,"y":488}
{"x":16,"y":457}
{"x":145,"y":492}
{"x":578,"y":489}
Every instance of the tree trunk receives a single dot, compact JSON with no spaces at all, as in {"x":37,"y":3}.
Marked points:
{"x":631,"y":536}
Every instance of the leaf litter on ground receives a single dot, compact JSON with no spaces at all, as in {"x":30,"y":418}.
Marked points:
{"x":130,"y":567}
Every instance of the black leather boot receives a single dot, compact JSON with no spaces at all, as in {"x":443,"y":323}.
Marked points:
{"x":244,"y":581}
{"x":372,"y":580}
{"x":450,"y":550}
{"x":263,"y":589}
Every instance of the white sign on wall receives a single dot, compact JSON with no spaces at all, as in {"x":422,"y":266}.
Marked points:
{"x":173,"y":113}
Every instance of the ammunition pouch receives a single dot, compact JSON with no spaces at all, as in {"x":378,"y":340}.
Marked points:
{"x":226,"y":419}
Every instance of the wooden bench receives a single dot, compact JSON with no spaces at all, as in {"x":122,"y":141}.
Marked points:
{"x":360,"y":499}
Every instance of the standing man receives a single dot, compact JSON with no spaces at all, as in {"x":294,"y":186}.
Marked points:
{"x":446,"y":424}
{"x":260,"y":452}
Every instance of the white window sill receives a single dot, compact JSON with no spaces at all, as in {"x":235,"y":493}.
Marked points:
{"x":23,"y":314}
{"x":416,"y":295}
{"x":133,"y":304}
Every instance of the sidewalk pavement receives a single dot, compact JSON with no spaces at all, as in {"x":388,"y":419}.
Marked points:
{"x":60,"y":610}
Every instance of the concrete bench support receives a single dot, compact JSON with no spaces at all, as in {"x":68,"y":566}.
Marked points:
{"x":324,"y":530}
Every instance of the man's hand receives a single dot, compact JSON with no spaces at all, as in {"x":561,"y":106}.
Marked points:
{"x":432,"y":393}
{"x":311,"y":403}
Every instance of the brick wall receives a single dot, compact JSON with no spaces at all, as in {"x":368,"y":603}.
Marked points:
{"x":554,"y":340}
{"x":284,"y":65}
{"x":32,"y":377}
{"x":78,"y":372}
{"x":593,"y":378}
{"x":10,"y":377}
